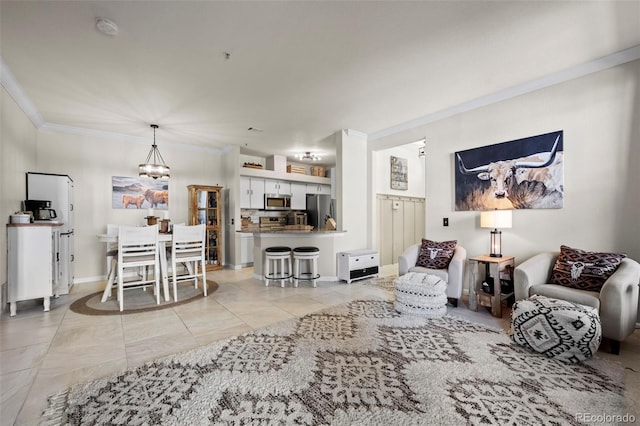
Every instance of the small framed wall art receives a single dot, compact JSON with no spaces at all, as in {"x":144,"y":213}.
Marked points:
{"x":399,"y":173}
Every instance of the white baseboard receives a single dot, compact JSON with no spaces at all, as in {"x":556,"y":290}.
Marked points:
{"x":85,"y":280}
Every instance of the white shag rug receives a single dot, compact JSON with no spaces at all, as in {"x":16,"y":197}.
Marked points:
{"x":361,"y":363}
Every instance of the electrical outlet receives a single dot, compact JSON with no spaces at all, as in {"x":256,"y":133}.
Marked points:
{"x":445,"y":221}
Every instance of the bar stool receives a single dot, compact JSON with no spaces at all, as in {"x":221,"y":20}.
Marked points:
{"x":275,"y":254}
{"x":311,"y":255}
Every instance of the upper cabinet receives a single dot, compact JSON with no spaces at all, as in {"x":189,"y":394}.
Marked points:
{"x":252,"y":192}
{"x":313,"y":188}
{"x":277,"y":186}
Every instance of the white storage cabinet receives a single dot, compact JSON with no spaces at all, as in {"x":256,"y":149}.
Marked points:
{"x":30,"y":264}
{"x":357,"y":264}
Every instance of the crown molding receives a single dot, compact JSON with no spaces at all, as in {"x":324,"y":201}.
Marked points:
{"x":9,"y":82}
{"x":618,"y":58}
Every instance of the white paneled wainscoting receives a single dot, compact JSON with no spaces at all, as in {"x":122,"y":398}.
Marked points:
{"x":401,"y":223}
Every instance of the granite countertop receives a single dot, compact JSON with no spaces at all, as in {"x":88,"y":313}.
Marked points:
{"x":258,"y":230}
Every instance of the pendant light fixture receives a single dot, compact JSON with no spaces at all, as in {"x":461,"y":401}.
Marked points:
{"x":154,"y":167}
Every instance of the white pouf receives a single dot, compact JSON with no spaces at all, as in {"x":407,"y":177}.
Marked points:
{"x":421,"y":294}
{"x":556,"y":328}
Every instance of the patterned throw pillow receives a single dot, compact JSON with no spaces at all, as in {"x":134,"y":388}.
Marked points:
{"x":584,"y":270}
{"x":435,"y":255}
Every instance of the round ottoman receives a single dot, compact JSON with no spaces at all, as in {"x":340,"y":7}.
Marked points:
{"x":421,"y":294}
{"x":556,"y":328}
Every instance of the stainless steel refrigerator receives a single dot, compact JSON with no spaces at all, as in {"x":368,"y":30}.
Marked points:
{"x":320,"y":207}
{"x":59,"y":190}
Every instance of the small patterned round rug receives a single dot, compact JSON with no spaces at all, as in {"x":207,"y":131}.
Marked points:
{"x":138,"y":300}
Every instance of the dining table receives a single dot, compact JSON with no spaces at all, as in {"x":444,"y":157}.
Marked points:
{"x":163,"y":239}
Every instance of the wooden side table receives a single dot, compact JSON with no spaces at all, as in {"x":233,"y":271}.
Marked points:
{"x":479,"y":297}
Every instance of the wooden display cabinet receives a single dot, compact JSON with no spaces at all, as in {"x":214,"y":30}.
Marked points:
{"x":205,"y":208}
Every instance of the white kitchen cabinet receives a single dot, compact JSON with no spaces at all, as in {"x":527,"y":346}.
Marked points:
{"x":277,"y":186}
{"x":246,"y":249}
{"x":31,"y":263}
{"x":298,"y":196}
{"x":313,"y":188}
{"x":251,"y":193}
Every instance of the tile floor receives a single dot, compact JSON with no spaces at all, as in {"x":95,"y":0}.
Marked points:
{"x":45,"y":352}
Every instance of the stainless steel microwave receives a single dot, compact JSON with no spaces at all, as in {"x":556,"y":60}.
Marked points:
{"x":277,"y":201}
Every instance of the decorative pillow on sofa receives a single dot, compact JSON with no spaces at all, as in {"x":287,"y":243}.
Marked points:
{"x":584,"y":270}
{"x":436,"y":255}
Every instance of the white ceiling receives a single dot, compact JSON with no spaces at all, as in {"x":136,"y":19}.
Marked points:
{"x":300,"y":71}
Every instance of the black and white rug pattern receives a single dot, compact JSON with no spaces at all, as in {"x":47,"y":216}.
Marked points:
{"x":361,"y":363}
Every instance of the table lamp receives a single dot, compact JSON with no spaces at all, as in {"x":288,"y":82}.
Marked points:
{"x":495,"y":219}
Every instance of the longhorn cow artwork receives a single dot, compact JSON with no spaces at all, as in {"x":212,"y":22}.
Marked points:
{"x":521,"y":174}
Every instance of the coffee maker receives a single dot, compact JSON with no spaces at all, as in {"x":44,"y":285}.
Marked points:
{"x":40,"y":209}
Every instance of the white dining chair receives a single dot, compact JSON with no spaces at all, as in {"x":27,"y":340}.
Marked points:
{"x":112,"y":260}
{"x":188,"y":245}
{"x":138,"y":247}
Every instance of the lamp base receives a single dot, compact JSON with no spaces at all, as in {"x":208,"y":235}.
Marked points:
{"x":496,"y":243}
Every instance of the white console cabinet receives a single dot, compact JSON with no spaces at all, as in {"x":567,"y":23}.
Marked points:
{"x":31,"y":263}
{"x":357,"y":264}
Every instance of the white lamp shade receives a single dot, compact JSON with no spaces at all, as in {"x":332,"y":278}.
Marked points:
{"x":495,"y":219}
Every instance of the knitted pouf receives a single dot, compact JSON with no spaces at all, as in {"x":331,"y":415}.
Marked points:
{"x":556,"y":328}
{"x":421,"y":294}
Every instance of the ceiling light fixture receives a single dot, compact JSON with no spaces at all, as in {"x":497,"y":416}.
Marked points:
{"x":156,"y":168}
{"x":308,"y":156}
{"x":107,"y":26}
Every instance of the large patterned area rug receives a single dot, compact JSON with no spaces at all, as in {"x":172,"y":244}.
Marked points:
{"x":360,"y":363}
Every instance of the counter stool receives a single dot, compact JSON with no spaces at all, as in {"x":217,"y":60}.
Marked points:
{"x":310,"y":254}
{"x":275,"y":254}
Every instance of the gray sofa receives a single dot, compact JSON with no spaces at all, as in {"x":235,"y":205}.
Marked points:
{"x":617,"y":301}
{"x":453,"y":276}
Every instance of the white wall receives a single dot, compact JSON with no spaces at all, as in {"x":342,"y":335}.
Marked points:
{"x":381,"y":169}
{"x":17,"y":154}
{"x":352,"y":186}
{"x":600,"y":117}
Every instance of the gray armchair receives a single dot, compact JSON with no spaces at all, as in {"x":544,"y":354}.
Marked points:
{"x":453,"y":275}
{"x":617,"y":301}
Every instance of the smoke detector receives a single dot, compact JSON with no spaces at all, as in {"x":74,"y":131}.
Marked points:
{"x":106,"y":26}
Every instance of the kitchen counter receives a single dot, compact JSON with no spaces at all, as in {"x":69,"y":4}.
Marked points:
{"x":41,"y":223}
{"x":325,"y":240}
{"x":258,"y":230}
